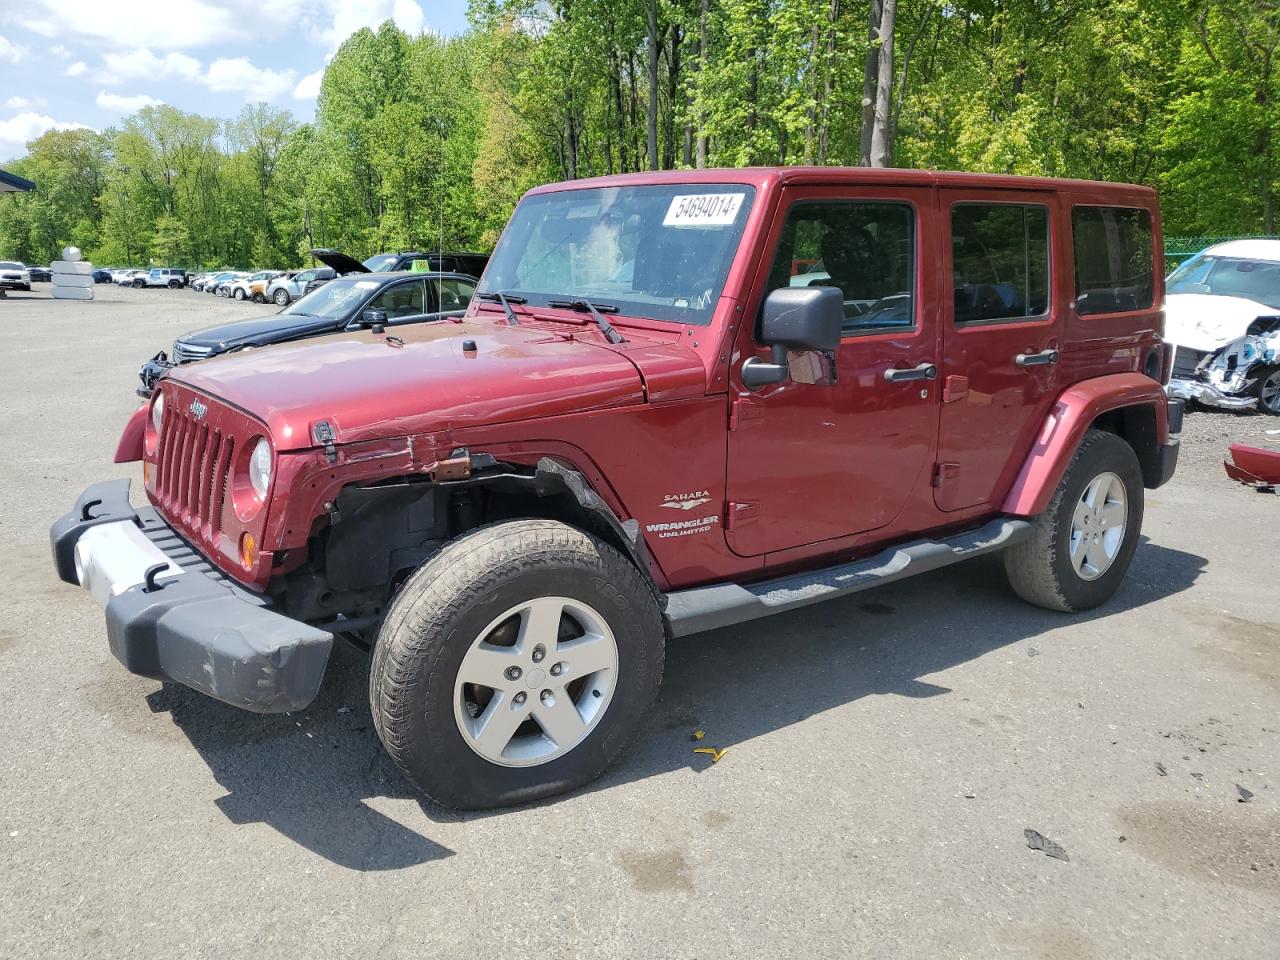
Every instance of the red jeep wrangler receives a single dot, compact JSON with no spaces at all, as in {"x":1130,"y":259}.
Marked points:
{"x":680,"y":401}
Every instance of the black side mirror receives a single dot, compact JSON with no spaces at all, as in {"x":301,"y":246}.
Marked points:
{"x":374,"y":319}
{"x":799,"y":319}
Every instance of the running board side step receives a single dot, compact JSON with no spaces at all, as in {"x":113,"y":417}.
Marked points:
{"x":725,"y":604}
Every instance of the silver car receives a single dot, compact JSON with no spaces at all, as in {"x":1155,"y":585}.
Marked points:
{"x":285,"y":289}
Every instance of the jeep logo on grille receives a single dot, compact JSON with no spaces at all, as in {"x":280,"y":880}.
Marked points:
{"x":198,"y":409}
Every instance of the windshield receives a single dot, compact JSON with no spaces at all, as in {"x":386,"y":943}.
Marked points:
{"x":1257,"y":280}
{"x":381,"y":262}
{"x":659,"y":251}
{"x":335,"y":299}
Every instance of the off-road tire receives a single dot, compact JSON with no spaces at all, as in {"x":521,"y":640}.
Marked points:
{"x":1266,"y":383}
{"x":440,"y":612}
{"x":282,"y":297}
{"x":1039,"y":568}
{"x":174,"y":284}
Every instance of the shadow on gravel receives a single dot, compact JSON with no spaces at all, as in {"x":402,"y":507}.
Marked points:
{"x":308,"y":775}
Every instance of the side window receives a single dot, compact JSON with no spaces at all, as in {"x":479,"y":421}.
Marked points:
{"x":401,"y":300}
{"x":453,"y":294}
{"x":999,"y":261}
{"x":865,"y":248}
{"x":1115,"y":269}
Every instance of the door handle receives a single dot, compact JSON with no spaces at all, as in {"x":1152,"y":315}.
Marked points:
{"x":925,"y":371}
{"x":1036,"y":359}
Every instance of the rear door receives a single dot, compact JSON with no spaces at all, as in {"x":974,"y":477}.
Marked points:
{"x":1001,"y":337}
{"x":812,"y":462}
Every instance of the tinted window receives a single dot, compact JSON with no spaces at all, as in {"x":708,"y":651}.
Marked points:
{"x":999,"y":261}
{"x":1115,"y":268}
{"x":401,"y":300}
{"x":867,"y":250}
{"x":453,"y":294}
{"x":1257,"y":280}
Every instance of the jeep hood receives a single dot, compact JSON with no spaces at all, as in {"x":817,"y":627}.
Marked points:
{"x":369,"y":387}
{"x":1206,"y":322}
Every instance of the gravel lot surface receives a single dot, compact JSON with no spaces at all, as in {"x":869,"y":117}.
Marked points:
{"x":885,"y":754}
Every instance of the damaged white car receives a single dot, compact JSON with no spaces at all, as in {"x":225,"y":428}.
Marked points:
{"x":1222,"y":313}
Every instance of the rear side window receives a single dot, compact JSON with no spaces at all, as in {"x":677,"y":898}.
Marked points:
{"x":1115,"y":266}
{"x":866,"y":249}
{"x":999,"y":261}
{"x":453,"y":293}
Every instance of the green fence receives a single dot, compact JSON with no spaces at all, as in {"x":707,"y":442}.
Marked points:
{"x":1177,"y":249}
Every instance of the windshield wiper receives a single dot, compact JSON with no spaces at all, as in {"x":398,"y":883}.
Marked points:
{"x":499,"y":297}
{"x":586,"y":306}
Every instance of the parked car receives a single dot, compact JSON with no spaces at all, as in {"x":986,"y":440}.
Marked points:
{"x":165,"y":277}
{"x":288,"y":287}
{"x":1222,"y":314}
{"x":220,"y":283}
{"x":253,"y":286}
{"x":350,"y":303}
{"x":40,"y":274}
{"x":472,"y":264}
{"x":102,"y":276}
{"x":640,"y":430}
{"x":131,"y":278}
{"x":14,"y":276}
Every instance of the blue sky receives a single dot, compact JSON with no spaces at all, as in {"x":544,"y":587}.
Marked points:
{"x":71,"y":63}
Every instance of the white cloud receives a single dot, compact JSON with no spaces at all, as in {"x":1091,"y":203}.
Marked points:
{"x":308,"y":87}
{"x":18,"y":130}
{"x":24,"y":103}
{"x":238,"y":75}
{"x":58,"y":50}
{"x":142,"y":64}
{"x":77,"y":69}
{"x":348,"y":16}
{"x":10,"y":52}
{"x":113,"y":101}
{"x":129,"y":24}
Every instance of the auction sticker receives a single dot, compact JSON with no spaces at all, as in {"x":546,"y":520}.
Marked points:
{"x":703,"y":210}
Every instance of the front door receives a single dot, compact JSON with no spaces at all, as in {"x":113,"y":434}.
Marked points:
{"x":1000,"y":339}
{"x":810,"y":462}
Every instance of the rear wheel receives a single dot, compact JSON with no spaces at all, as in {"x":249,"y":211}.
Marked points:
{"x":1267,"y":389}
{"x":239,"y":293}
{"x":282,"y":297}
{"x":1082,"y":544}
{"x":515,"y":664}
{"x":174,"y":284}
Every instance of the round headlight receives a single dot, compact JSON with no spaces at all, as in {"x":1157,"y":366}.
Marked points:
{"x":157,"y":410}
{"x":260,"y":467}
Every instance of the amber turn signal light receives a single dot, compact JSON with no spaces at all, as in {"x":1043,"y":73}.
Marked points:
{"x":248,"y":551}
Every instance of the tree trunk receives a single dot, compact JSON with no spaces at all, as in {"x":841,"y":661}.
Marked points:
{"x":651,"y":9}
{"x":673,"y":92}
{"x":701,"y":149}
{"x":881,"y":136}
{"x":828,"y":72}
{"x":870,"y":67}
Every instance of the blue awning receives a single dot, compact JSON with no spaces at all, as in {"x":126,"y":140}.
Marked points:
{"x":12,"y":183}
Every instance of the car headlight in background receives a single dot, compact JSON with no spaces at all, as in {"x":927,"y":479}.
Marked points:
{"x":260,"y":467}
{"x":157,"y":410}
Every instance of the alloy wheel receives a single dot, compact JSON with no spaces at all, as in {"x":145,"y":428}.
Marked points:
{"x":1098,"y":526}
{"x":536,"y":682}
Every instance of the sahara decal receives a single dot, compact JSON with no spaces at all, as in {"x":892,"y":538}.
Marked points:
{"x":686,"y":501}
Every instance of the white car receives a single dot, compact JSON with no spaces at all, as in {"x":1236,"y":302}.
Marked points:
{"x":14,"y":276}
{"x":254,"y":286}
{"x":1222,"y":314}
{"x":164,"y":277}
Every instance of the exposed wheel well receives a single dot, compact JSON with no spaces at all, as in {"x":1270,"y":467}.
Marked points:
{"x":1136,"y":425}
{"x":378,"y":535}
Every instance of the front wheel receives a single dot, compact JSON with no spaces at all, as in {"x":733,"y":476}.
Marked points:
{"x":1081,"y":546}
{"x":1267,"y":389}
{"x":239,"y":294}
{"x":515,"y":664}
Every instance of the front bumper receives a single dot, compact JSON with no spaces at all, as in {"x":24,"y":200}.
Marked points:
{"x":171,"y":615}
{"x":1209,"y":395}
{"x":9,"y":283}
